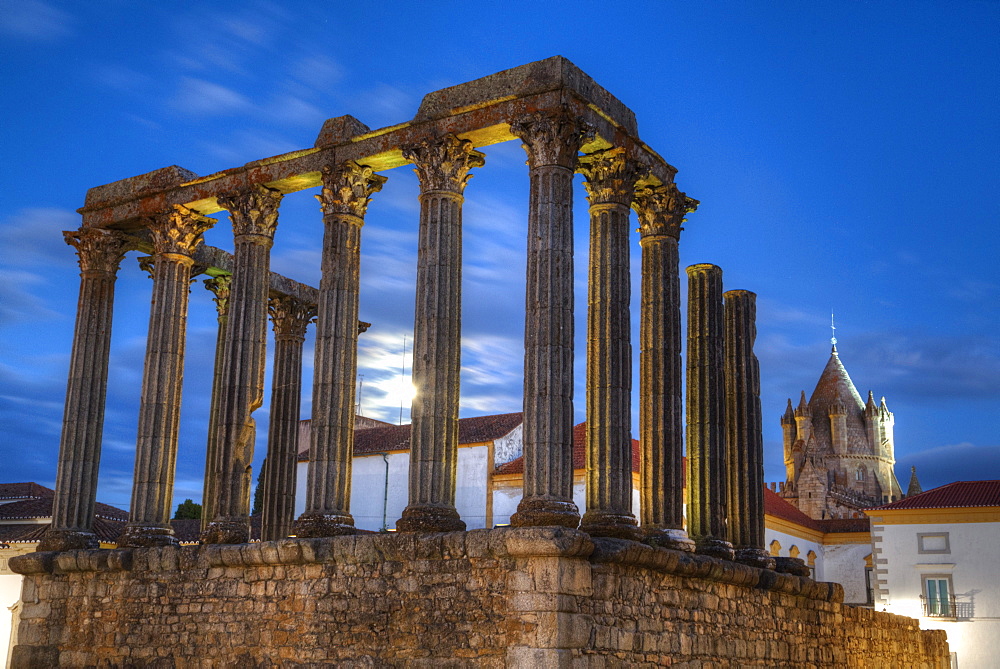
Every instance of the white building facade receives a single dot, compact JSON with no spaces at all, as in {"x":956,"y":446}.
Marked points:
{"x":937,"y":558}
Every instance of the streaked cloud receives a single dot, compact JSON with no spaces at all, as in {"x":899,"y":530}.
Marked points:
{"x":206,"y":98}
{"x":34,"y":20}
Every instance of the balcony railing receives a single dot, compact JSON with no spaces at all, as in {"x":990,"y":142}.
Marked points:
{"x":946,"y":608}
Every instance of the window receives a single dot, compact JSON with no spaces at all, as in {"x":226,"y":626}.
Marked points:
{"x":938,"y":598}
{"x":793,"y":551}
{"x":775,"y":548}
{"x":933,"y":542}
{"x":860,"y":474}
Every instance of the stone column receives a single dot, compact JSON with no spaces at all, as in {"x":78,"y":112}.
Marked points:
{"x":744,"y":439}
{"x":610,"y":183}
{"x":706,"y":416}
{"x":220,"y":287}
{"x":254,"y":215}
{"x":290,"y":318}
{"x":443,"y":168}
{"x":347,"y":189}
{"x":175,"y":237}
{"x":661,"y":211}
{"x":100,"y":252}
{"x":552,"y":140}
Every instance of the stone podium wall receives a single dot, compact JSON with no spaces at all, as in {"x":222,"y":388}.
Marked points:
{"x":540,"y":597}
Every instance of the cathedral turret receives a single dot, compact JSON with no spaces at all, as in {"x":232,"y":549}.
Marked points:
{"x":788,"y":437}
{"x":803,"y":419}
{"x":914,"y":488}
{"x":888,"y":449}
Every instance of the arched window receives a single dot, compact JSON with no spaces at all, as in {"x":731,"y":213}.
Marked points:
{"x":793,"y":551}
{"x":860,"y":474}
{"x":811,"y":558}
{"x":775,"y":548}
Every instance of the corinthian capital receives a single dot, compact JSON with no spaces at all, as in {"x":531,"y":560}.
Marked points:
{"x":661,"y":210}
{"x":290,"y":316}
{"x":179,"y":230}
{"x":348,"y":187}
{"x":253,"y":211}
{"x":610,"y":175}
{"x":444,"y":164}
{"x":552,"y":136}
{"x":97,"y":250}
{"x":220,"y":287}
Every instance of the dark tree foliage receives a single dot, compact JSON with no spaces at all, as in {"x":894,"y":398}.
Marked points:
{"x":188,"y":509}
{"x":258,"y":493}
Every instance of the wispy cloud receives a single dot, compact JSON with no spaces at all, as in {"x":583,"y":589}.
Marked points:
{"x":34,"y":20}
{"x":197,"y":96}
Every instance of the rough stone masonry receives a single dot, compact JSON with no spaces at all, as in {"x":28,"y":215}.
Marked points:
{"x":619,"y":590}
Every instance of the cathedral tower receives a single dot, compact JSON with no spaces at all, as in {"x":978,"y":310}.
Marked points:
{"x":838,"y":450}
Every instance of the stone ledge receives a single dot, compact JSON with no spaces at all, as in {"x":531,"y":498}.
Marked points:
{"x":691,"y":565}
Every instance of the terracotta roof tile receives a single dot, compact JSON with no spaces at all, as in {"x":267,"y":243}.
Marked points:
{"x":579,"y":453}
{"x":952,"y":495}
{"x":24,"y":490}
{"x":41,"y":507}
{"x":777,"y":506}
{"x":397,"y":437}
{"x":107,"y":531}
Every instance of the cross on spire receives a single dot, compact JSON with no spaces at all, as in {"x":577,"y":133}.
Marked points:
{"x":833,"y":329}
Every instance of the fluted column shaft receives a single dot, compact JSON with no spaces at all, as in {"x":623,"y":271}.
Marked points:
{"x":706,"y":421}
{"x":661,"y":211}
{"x":443,"y":168}
{"x":347,"y":190}
{"x":254,"y":215}
{"x":219,"y":286}
{"x":610,"y":183}
{"x":744,"y":439}
{"x":100,"y":252}
{"x":175,"y":236}
{"x":552,"y":141}
{"x":290,"y":318}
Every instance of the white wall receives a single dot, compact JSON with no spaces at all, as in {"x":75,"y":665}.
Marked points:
{"x":368,"y":488}
{"x":974,"y":567}
{"x":845,"y":564}
{"x":10,"y":593}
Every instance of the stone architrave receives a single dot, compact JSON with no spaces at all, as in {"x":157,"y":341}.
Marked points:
{"x":552,"y":140}
{"x":220,"y":286}
{"x":290,"y":317}
{"x":175,"y":236}
{"x":254,"y":215}
{"x":744,"y":439}
{"x":100,"y":253}
{"x":610,"y":183}
{"x":347,"y":190}
{"x":706,"y":414}
{"x":661,"y":210}
{"x":442,"y":165}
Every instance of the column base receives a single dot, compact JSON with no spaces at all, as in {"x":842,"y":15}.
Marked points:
{"x":538,"y":512}
{"x":146,"y":536}
{"x":610,"y":524}
{"x":790,"y":565}
{"x":315,"y":524}
{"x":671,"y":538}
{"x":429,"y":518}
{"x":755,"y":557}
{"x":713,"y":547}
{"x":68,"y":540}
{"x":227,"y":531}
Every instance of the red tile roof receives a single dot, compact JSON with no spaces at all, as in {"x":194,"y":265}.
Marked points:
{"x":41,"y":507}
{"x":579,"y":453}
{"x":397,"y":437}
{"x":952,"y":495}
{"x":107,"y":531}
{"x":777,"y":506}
{"x":24,"y":490}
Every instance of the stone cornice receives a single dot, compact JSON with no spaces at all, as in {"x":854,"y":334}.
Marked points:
{"x":178,"y":231}
{"x":348,"y":187}
{"x":443,"y":164}
{"x":98,"y":251}
{"x":661,"y":210}
{"x":290,"y":317}
{"x":552,"y":137}
{"x":610,"y":177}
{"x":253,"y":211}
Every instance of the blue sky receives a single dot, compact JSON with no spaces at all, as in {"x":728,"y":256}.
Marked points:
{"x":845,"y":154}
